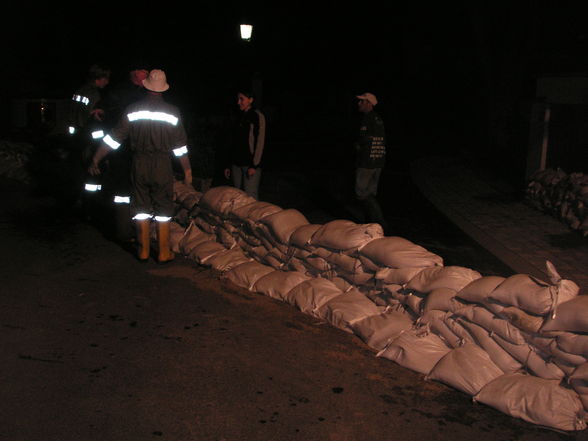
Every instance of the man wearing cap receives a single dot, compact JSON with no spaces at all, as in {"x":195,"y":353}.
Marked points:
{"x":370,"y":157}
{"x":155,"y":130}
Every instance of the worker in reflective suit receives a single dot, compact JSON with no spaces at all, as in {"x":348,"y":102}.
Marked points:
{"x":155,"y":131}
{"x":85,"y":125}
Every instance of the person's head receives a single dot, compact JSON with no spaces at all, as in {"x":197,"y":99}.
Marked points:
{"x":367,"y":102}
{"x":245,"y":100}
{"x":156,"y":81}
{"x":99,"y":75}
{"x":137,"y":76}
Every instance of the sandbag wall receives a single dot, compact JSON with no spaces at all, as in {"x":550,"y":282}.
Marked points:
{"x":515,"y":343}
{"x":565,"y":196}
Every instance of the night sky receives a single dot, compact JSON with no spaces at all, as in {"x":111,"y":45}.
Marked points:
{"x":440,"y":66}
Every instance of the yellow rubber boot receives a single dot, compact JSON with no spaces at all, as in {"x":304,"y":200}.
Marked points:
{"x":165,"y":253}
{"x":143,"y":238}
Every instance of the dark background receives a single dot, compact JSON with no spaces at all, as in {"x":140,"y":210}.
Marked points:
{"x":451,"y":77}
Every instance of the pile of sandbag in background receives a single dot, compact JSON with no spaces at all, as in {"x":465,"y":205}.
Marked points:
{"x":515,"y":343}
{"x":14,"y":159}
{"x":565,"y":196}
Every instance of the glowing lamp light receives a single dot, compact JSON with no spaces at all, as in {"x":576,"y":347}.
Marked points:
{"x":246,"y":31}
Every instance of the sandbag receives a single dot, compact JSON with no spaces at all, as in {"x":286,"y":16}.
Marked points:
{"x":521,"y":319}
{"x":535,"y":400}
{"x":301,"y":236}
{"x":443,"y":299}
{"x":477,"y":291}
{"x":506,"y":362}
{"x":224,"y":199}
{"x":573,"y":343}
{"x":228,"y":259}
{"x":467,"y":368}
{"x":347,"y":308}
{"x":255,"y":211}
{"x":176,"y":234}
{"x":492,"y":323}
{"x":311,"y":294}
{"x":533,"y":295}
{"x":397,"y":252}
{"x":418,"y":352}
{"x":380,"y":329}
{"x":283,"y":223}
{"x":529,"y":357}
{"x":579,"y":382}
{"x":441,"y":323}
{"x":567,"y":358}
{"x":453,"y":277}
{"x":276,"y":284}
{"x":202,"y":252}
{"x":398,"y":276}
{"x":571,"y":316}
{"x":346,"y":235}
{"x":246,"y":274}
{"x":193,"y":236}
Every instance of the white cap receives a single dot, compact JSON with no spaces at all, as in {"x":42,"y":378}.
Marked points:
{"x":369,"y":97}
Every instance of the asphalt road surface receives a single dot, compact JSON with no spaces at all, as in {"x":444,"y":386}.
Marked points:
{"x":97,"y":346}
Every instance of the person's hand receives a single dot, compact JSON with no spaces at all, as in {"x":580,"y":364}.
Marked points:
{"x":251,"y":171}
{"x":93,"y":169}
{"x":227,"y":173}
{"x":98,"y":114}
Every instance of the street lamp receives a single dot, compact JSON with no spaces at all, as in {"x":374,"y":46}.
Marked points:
{"x":246,"y":31}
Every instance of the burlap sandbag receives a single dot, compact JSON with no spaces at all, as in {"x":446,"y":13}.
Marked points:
{"x":454,"y":277}
{"x":283,"y":223}
{"x":378,"y":330}
{"x":228,"y":259}
{"x":443,"y":299}
{"x":533,"y":295}
{"x":255,"y":211}
{"x":467,"y":368}
{"x":278,"y":283}
{"x":536,"y":400}
{"x":570,"y":316}
{"x":345,"y":235}
{"x":223,"y":200}
{"x":246,"y":274}
{"x":418,"y":352}
{"x":478,"y":290}
{"x":397,"y":252}
{"x":311,"y":294}
{"x":343,"y":310}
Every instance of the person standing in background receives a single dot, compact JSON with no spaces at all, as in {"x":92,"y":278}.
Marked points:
{"x":370,"y":149}
{"x":247,"y":144}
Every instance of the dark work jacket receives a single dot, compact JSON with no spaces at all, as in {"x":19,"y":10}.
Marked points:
{"x":248,"y":139}
{"x":83,"y":101}
{"x":149,"y":136}
{"x":371,"y":142}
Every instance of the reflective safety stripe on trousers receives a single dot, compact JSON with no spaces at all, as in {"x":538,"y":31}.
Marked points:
{"x":92,"y":187}
{"x":81,"y":99}
{"x":122,"y":199}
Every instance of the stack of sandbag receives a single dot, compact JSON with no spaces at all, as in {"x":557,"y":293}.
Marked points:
{"x":509,"y":342}
{"x":506,"y":347}
{"x":14,"y":160}
{"x":562,"y":195}
{"x":186,"y":200}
